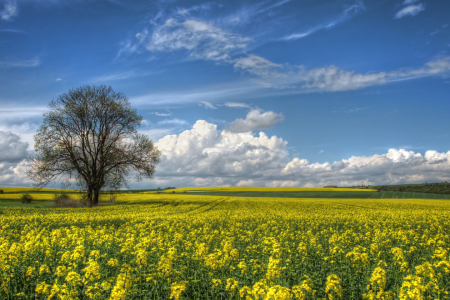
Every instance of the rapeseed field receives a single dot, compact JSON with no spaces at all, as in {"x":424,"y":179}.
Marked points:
{"x":181,"y":246}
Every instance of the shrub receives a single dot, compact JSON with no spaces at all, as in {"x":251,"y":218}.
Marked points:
{"x":84,"y":200}
{"x":112,"y":198}
{"x":26,"y":198}
{"x":64,"y":200}
{"x":1,"y":191}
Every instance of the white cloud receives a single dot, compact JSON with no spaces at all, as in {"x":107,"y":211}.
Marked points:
{"x":12,"y":149}
{"x":20,"y":63}
{"x":203,"y":156}
{"x":12,"y":30}
{"x":22,"y":121}
{"x":334,"y":79}
{"x":13,"y":174}
{"x":321,"y":151}
{"x":161,"y":114}
{"x":221,"y":92}
{"x":207,"y":105}
{"x":187,"y":11}
{"x":411,"y":10}
{"x":204,"y":152}
{"x":256,"y":120}
{"x":236,"y":105}
{"x":203,"y":40}
{"x":128,"y":47}
{"x":172,"y":122}
{"x":10,"y":10}
{"x":58,"y":79}
{"x":256,"y":65}
{"x":406,"y":2}
{"x":347,"y":14}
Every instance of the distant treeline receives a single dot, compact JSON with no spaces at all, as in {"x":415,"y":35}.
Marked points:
{"x":432,"y":188}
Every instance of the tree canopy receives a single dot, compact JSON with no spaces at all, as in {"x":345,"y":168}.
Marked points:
{"x":90,"y":137}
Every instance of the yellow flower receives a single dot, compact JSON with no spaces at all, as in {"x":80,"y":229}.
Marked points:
{"x":216,"y":283}
{"x":278,"y":293}
{"x":333,"y":287}
{"x":60,"y":271}
{"x":232,"y":286}
{"x":44,"y":269}
{"x":113,"y":262}
{"x":177,"y":288}
{"x":73,"y":278}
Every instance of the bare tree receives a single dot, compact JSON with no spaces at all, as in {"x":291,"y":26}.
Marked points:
{"x":90,"y":137}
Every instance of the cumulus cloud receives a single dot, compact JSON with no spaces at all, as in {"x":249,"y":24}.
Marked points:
{"x":204,"y":156}
{"x":396,"y":166}
{"x":203,"y":40}
{"x":13,"y":160}
{"x":14,"y":174}
{"x":236,"y":105}
{"x":9,"y":11}
{"x":204,"y":152}
{"x":256,"y":119}
{"x":411,"y":10}
{"x":12,"y":149}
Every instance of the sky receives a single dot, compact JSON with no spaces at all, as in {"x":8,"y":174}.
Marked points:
{"x":243,"y":93}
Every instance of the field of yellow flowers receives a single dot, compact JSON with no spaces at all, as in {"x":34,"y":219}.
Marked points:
{"x":181,"y":246}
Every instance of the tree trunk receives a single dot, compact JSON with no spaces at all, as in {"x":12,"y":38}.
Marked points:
{"x":96,"y":195}
{"x":89,"y":197}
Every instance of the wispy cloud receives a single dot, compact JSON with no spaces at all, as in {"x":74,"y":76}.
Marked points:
{"x":236,"y":104}
{"x":347,"y":14}
{"x":161,"y":114}
{"x":205,"y":41}
{"x":212,"y":93}
{"x":201,"y":39}
{"x":128,"y":47}
{"x":411,"y":10}
{"x":123,"y":75}
{"x":188,"y":11}
{"x":12,"y":30}
{"x":9,"y":11}
{"x":172,"y":122}
{"x":256,"y":65}
{"x":20,"y":63}
{"x":207,"y":105}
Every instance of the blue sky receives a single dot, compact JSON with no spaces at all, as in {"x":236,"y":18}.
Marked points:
{"x":332,"y":80}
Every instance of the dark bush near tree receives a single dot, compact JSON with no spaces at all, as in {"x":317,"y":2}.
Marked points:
{"x":26,"y":198}
{"x":1,"y":191}
{"x":64,"y":200}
